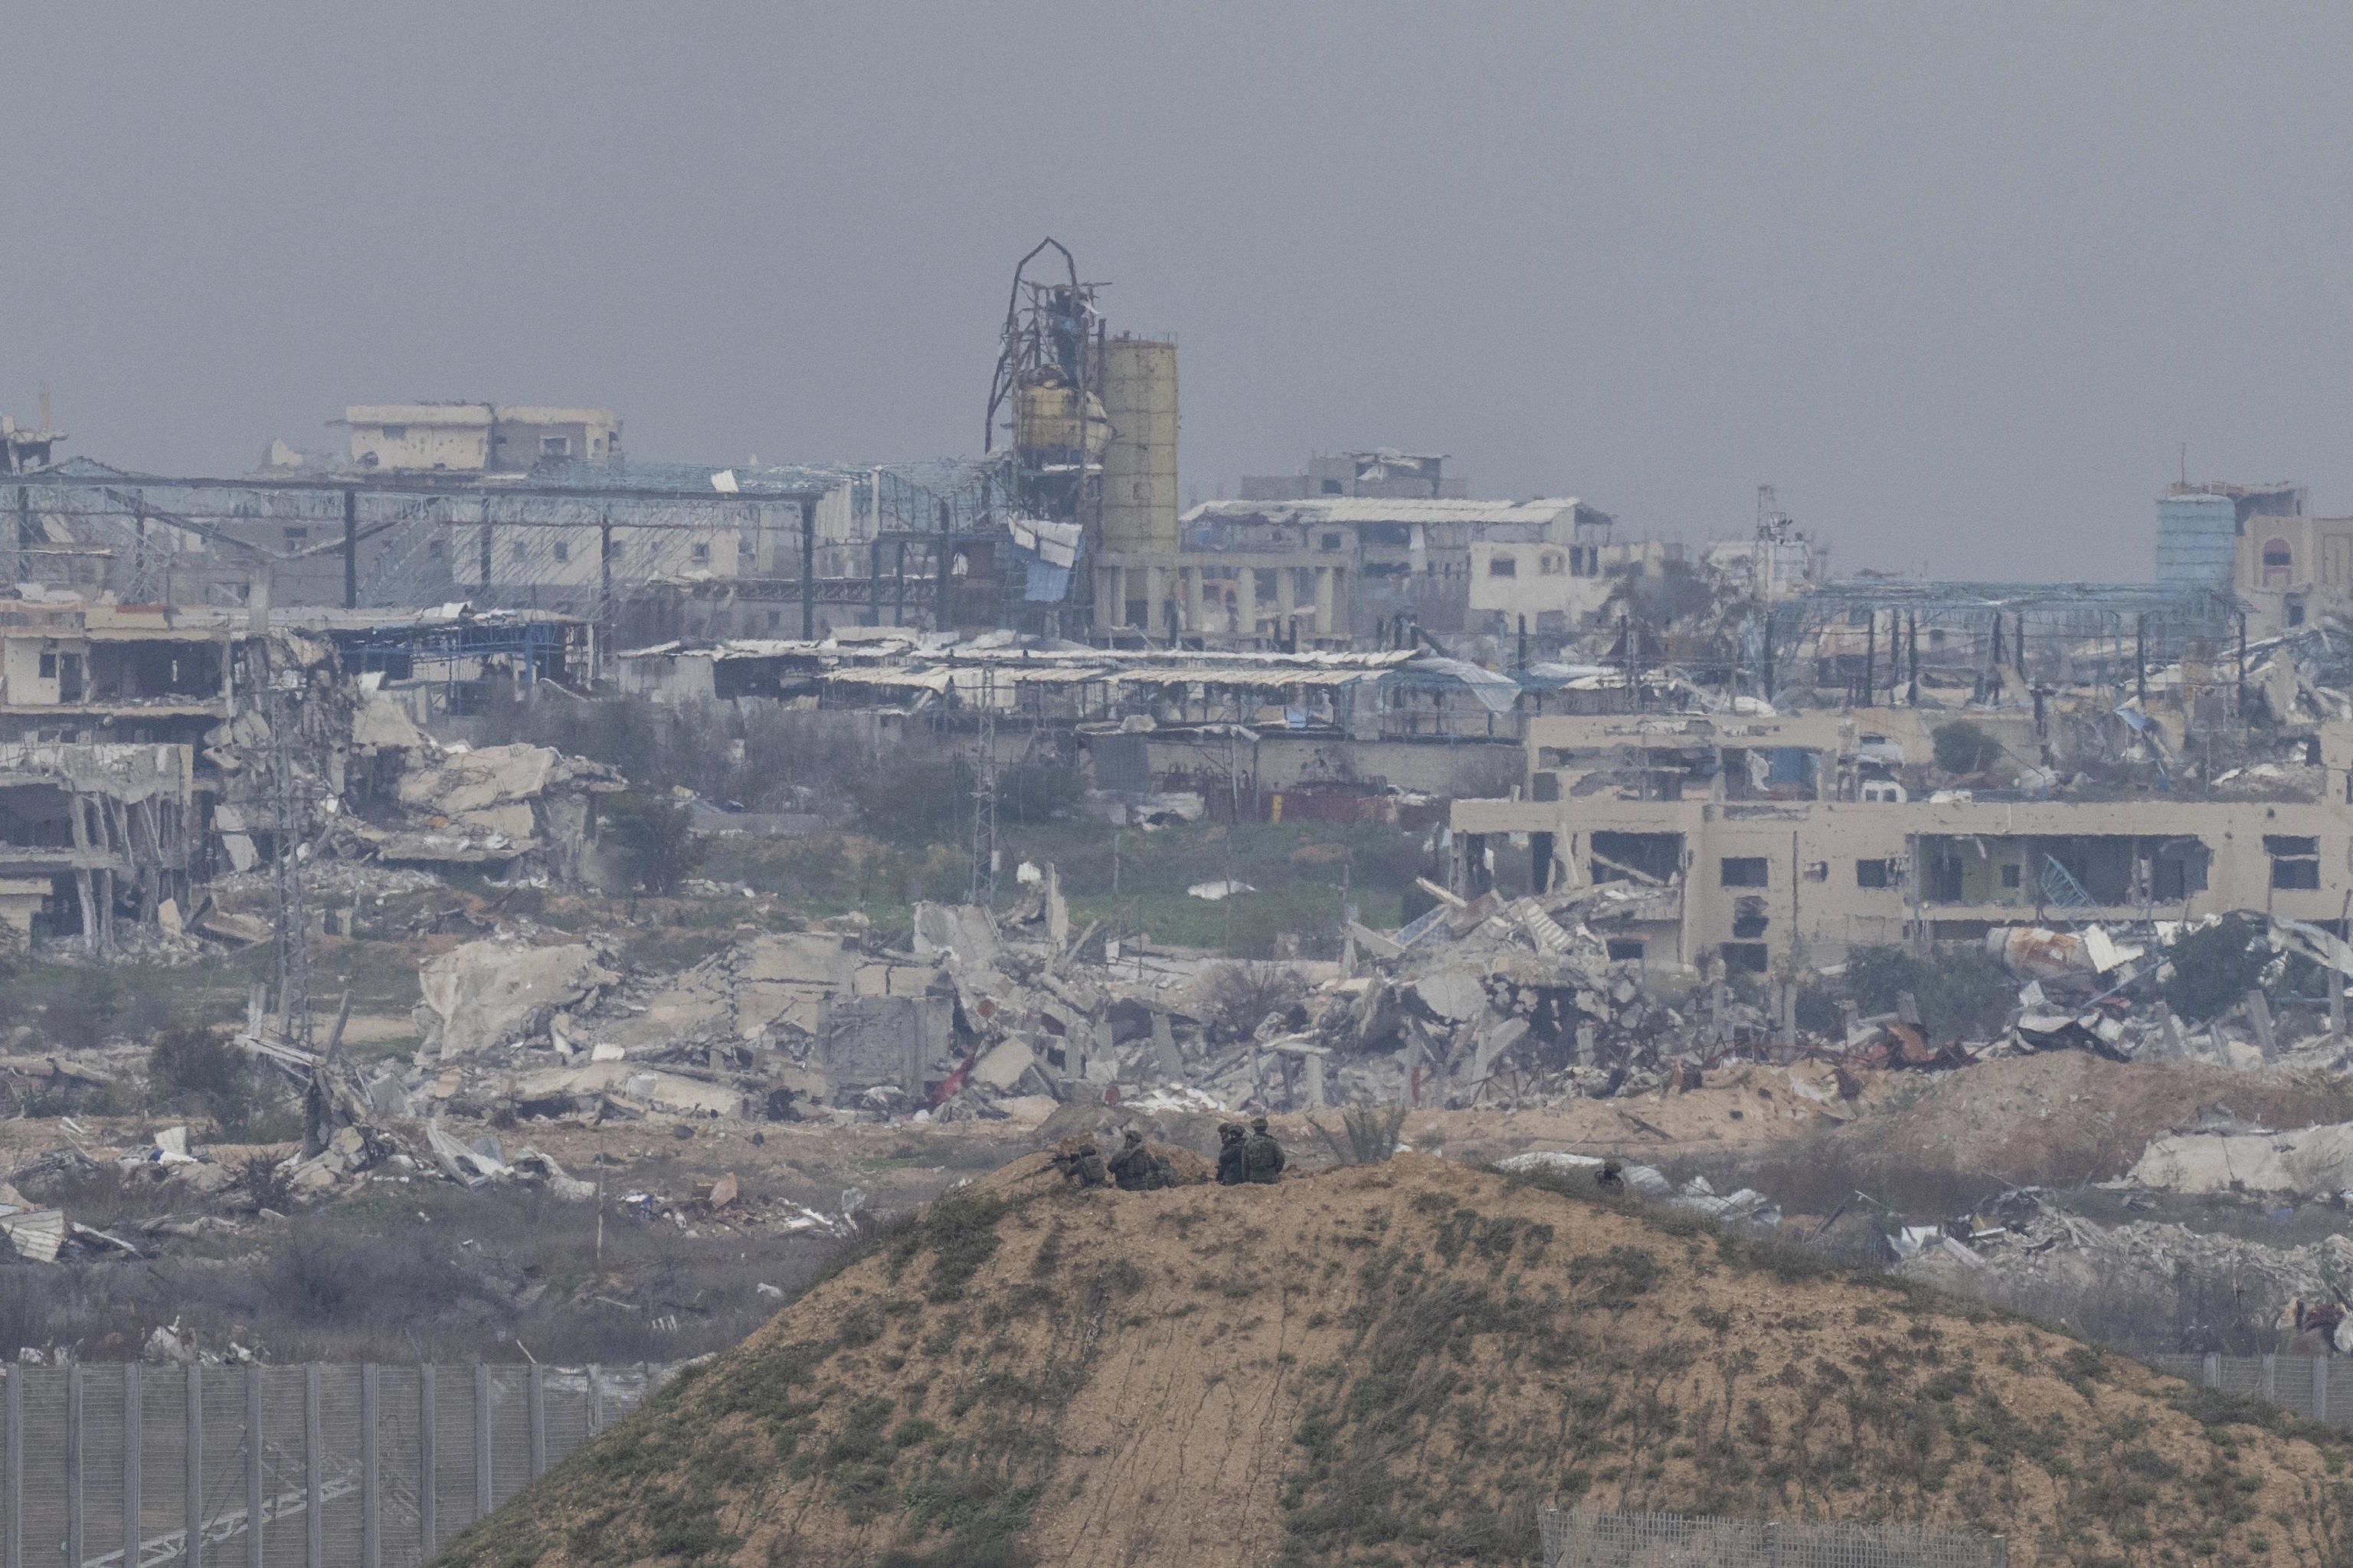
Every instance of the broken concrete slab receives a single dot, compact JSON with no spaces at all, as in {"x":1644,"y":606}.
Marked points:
{"x":485,"y":994}
{"x":649,"y":1088}
{"x":2312,"y":1161}
{"x":1001,"y":1066}
{"x":1452,"y":993}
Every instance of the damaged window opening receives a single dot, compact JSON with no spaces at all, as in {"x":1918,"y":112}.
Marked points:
{"x":1744,"y":957}
{"x":1625,"y":949}
{"x":2296,"y":862}
{"x":1744,"y":871}
{"x":1879,"y":873}
{"x":1656,"y":858}
{"x":2078,"y":871}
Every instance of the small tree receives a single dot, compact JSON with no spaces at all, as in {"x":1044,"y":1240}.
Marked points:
{"x":1235,"y":996}
{"x":1962,"y":747}
{"x":656,"y":845}
{"x":2213,"y":968}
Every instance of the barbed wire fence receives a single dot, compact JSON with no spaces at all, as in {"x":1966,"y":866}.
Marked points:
{"x":272,"y":1467}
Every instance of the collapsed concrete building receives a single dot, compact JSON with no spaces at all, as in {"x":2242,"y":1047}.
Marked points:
{"x":138,"y":752}
{"x":1765,"y":835}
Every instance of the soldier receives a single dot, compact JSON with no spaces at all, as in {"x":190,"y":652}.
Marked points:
{"x":1132,"y":1167}
{"x":1609,"y":1179}
{"x":1233,"y":1159}
{"x":1262,"y":1156}
{"x":1080,"y":1162}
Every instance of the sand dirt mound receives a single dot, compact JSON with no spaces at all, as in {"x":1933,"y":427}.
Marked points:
{"x":1397,"y":1364}
{"x":2067,"y":1116}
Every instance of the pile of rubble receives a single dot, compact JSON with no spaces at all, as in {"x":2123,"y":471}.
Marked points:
{"x":369,"y":784}
{"x":2025,"y":1245}
{"x":1009,"y":1013}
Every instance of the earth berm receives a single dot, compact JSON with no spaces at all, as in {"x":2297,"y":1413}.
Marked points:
{"x":1393,"y":1363}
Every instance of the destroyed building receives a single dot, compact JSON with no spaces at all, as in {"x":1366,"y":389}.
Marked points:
{"x":1337,"y":570}
{"x":1380,"y":471}
{"x":1761,"y":835}
{"x":2287,"y":568}
{"x":138,"y":746}
{"x":478,"y":437}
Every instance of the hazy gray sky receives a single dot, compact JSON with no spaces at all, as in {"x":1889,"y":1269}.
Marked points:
{"x":1959,"y":280}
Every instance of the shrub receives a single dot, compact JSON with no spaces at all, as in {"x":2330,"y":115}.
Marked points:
{"x":1236,"y":996}
{"x":657,"y":849}
{"x":1962,"y":990}
{"x":1961,"y":746}
{"x":2213,"y":968}
{"x":1371,"y":1130}
{"x":197,"y":1064}
{"x":926,"y":802}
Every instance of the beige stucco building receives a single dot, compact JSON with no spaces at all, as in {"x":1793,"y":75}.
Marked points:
{"x":1334,"y":570}
{"x":1759,"y":836}
{"x":477,"y":437}
{"x":2291,"y":571}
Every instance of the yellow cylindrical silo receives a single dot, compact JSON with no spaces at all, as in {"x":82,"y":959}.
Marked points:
{"x":1139,"y":463}
{"x":1046,"y":419}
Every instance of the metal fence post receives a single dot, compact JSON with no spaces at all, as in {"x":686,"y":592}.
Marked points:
{"x":2321,"y":1388}
{"x":314,"y":1473}
{"x":2213,"y":1369}
{"x":193,"y":1495}
{"x":481,"y":1441}
{"x":2271,"y":1377}
{"x":1773,"y":1543}
{"x":428,"y":1516}
{"x":2000,"y":1553}
{"x":595,"y":1402}
{"x":134,"y":1431}
{"x":73,"y":1467}
{"x":15,"y":1467}
{"x":253,"y":1466}
{"x":538,"y":1421}
{"x":371,"y":1488}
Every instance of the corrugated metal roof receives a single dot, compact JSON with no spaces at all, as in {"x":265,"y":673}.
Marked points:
{"x":1321,"y":509}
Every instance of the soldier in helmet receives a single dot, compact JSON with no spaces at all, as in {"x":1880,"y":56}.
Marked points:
{"x":1262,"y":1156}
{"x":1233,"y":1160}
{"x":1080,"y":1162}
{"x":1610,"y":1177}
{"x":1132,"y":1167}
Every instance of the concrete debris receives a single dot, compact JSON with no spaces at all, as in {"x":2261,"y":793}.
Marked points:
{"x":1214,"y":891}
{"x":2312,"y":1163}
{"x":1747,"y":1203}
{"x":2026,"y":1243}
{"x":36,"y":1235}
{"x":487,"y":994}
{"x":494,"y":804}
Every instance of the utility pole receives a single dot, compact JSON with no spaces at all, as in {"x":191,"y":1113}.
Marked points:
{"x":983,"y":797}
{"x":292,"y":932}
{"x":351,"y":549}
{"x":809,"y":571}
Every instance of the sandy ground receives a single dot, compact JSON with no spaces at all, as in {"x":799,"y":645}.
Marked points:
{"x":1398,"y":1361}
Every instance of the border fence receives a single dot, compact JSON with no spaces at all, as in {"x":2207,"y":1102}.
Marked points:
{"x":124,"y":1466}
{"x":2299,"y":1385}
{"x":1576,"y":1539}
